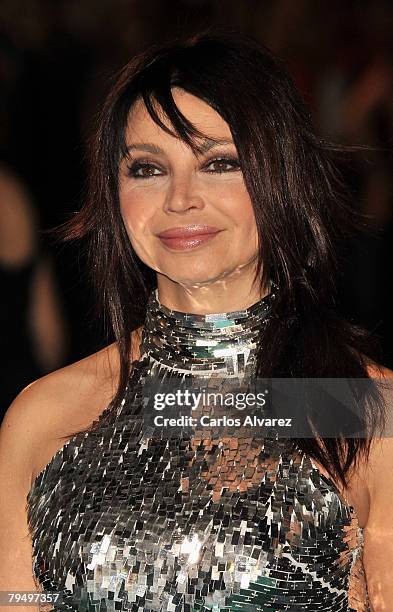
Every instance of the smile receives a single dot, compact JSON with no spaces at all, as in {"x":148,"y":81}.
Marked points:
{"x":186,"y":243}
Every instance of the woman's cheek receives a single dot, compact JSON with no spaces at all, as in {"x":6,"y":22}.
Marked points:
{"x":134,"y":211}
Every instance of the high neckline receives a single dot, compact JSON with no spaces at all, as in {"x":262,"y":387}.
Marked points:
{"x":200,"y":344}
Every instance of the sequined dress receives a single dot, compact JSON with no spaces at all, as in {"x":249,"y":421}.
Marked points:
{"x":121,"y":521}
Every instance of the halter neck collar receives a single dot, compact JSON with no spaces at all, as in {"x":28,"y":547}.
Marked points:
{"x":201,"y":344}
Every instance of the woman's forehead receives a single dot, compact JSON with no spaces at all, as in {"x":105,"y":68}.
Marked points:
{"x":195,"y":110}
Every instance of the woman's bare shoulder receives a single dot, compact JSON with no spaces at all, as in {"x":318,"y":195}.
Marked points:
{"x":75,"y":386}
{"x":60,"y":403}
{"x":385,"y":376}
{"x":71,"y":385}
{"x":58,"y":398}
{"x":380,"y":456}
{"x":376,"y":370}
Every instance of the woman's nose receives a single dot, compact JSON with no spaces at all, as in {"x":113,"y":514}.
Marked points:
{"x":183,"y":195}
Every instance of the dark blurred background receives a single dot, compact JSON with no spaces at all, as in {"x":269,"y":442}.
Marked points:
{"x":57,"y":60}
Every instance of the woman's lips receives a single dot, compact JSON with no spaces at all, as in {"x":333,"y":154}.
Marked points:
{"x":181,"y":243}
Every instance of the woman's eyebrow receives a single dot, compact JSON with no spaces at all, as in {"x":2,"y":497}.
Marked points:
{"x":206,"y":145}
{"x":210,"y":143}
{"x":145,"y":146}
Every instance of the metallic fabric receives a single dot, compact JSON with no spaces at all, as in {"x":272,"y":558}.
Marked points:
{"x":124,"y":521}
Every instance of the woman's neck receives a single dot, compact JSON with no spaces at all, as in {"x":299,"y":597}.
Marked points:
{"x":210,"y":299}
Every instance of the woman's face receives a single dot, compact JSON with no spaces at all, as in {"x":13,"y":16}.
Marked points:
{"x":164,"y":185}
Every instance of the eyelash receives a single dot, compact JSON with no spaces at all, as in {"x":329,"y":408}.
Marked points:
{"x":138,"y":165}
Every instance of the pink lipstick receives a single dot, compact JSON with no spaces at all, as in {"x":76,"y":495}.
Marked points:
{"x":187,"y":237}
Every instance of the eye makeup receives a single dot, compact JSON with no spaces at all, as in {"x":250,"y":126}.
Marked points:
{"x":136,"y":168}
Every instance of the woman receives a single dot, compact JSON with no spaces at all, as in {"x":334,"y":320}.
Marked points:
{"x":213,"y":215}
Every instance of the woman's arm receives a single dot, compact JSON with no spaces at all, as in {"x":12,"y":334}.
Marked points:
{"x":17,"y":435}
{"x":378,"y":531}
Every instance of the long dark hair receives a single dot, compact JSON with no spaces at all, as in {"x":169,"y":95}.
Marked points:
{"x":299,"y":200}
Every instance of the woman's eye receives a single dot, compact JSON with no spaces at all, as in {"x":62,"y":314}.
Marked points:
{"x":142,"y":170}
{"x":221,"y":165}
{"x":145,"y":170}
